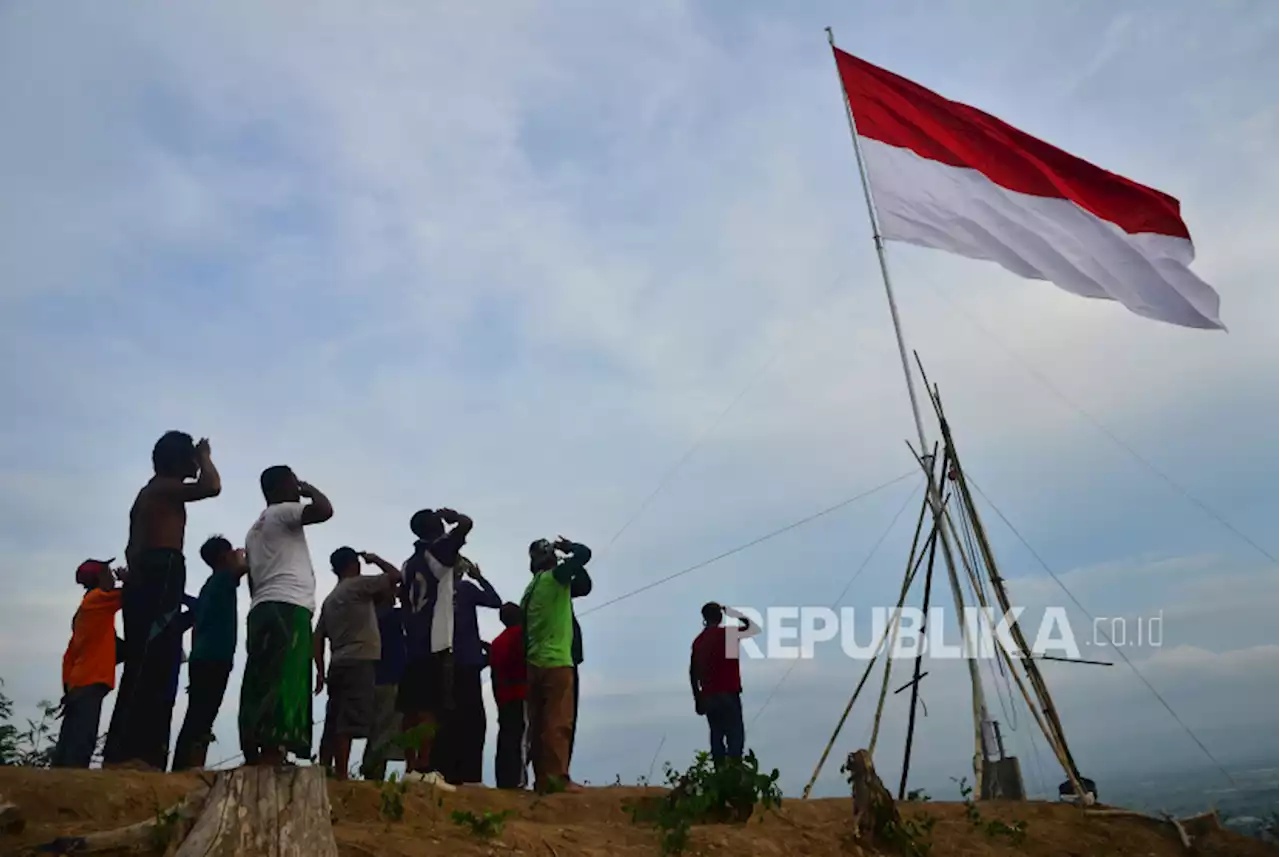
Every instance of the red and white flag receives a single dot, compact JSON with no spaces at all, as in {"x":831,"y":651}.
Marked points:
{"x":948,"y":176}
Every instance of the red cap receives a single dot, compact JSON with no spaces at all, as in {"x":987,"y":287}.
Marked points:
{"x":87,"y":573}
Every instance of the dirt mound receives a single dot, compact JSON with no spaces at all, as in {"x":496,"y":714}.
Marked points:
{"x":594,"y":824}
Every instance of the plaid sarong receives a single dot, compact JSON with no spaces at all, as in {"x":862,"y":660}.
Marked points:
{"x":275,"y":695}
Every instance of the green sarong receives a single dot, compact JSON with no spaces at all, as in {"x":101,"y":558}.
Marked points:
{"x":275,"y":695}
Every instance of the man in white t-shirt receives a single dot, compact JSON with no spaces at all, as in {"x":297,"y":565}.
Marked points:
{"x":275,"y":695}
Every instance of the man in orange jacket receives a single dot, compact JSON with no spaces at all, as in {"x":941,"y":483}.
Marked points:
{"x":89,"y":664}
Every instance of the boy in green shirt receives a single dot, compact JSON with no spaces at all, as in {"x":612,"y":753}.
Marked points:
{"x":548,"y":638}
{"x":213,"y":650}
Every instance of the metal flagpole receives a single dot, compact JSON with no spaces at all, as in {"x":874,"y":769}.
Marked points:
{"x":980,"y":717}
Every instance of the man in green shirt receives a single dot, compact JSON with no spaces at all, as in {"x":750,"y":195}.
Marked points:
{"x":213,"y":650}
{"x":548,"y":639}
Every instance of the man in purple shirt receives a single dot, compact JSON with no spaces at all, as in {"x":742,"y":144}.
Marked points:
{"x":462,"y":743}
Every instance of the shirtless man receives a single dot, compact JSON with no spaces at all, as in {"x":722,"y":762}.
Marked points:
{"x":153,"y":597}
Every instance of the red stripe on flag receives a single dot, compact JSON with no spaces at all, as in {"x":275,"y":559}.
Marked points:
{"x":900,"y":113}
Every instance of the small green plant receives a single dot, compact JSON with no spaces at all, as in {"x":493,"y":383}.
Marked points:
{"x":1016,"y":831}
{"x":971,"y":813}
{"x":913,"y":837}
{"x":707,"y":793}
{"x":412,"y":739}
{"x":165,"y":827}
{"x":486,"y":826}
{"x":918,"y":796}
{"x":391,"y":799}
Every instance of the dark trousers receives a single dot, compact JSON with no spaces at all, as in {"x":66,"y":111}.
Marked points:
{"x":206,"y":685}
{"x":509,"y":764}
{"x":458,"y":751}
{"x":79,"y":734}
{"x":724,"y":717}
{"x":151,"y":600}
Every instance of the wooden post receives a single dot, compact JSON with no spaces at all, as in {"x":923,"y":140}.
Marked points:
{"x":11,"y":818}
{"x":874,"y":813}
{"x":253,"y":810}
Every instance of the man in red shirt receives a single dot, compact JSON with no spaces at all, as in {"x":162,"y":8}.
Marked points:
{"x":510,"y":687}
{"x":716,"y":680}
{"x":89,"y":663}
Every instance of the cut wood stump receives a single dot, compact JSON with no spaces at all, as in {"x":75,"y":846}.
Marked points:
{"x":11,"y":818}
{"x":156,"y":833}
{"x":282,"y":812}
{"x":875,"y":815}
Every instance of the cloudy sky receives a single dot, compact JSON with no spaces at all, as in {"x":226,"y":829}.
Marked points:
{"x":522,"y":262}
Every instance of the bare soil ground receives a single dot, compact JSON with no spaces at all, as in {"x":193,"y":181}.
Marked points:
{"x":594,"y":824}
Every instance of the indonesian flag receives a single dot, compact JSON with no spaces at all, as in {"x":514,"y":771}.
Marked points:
{"x":948,"y":176}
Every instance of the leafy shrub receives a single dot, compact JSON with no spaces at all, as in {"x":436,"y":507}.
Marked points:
{"x":1016,"y":832}
{"x":708,"y":793}
{"x":485,"y":826}
{"x":30,"y":747}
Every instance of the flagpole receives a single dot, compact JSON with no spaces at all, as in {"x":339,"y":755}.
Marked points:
{"x":980,"y":715}
{"x":880,"y":254}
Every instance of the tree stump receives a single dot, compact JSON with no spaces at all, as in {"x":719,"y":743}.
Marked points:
{"x":11,"y":818}
{"x":281,"y":812}
{"x":874,"y":812}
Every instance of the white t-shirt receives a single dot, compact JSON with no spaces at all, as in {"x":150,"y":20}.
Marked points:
{"x":279,"y":560}
{"x":442,"y":614}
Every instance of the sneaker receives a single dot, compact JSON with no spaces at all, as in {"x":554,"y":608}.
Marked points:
{"x":430,"y":778}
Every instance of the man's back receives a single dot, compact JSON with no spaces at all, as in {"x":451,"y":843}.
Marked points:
{"x":279,"y":559}
{"x":91,"y":654}
{"x":213,"y":636}
{"x":717,"y":672}
{"x":507,"y":665}
{"x":158,"y":518}
{"x":548,"y":622}
{"x":349,"y":618}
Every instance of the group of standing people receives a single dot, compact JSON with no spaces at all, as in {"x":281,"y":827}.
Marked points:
{"x":405,"y":656}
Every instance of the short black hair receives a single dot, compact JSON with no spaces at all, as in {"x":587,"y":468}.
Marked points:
{"x":273,"y":478}
{"x":510,"y":614}
{"x":712,"y":613}
{"x":426,"y":524}
{"x":343,"y":557}
{"x":542,"y":555}
{"x":213,"y":550}
{"x":173,"y":453}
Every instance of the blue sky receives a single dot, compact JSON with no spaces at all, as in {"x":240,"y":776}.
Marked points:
{"x":519,"y":264}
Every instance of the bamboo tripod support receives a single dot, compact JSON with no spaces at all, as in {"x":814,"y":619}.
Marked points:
{"x":1037,"y":697}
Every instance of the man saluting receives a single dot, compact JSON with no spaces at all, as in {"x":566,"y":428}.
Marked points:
{"x":152,"y":597}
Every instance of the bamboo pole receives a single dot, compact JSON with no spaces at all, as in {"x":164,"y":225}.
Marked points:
{"x":933,"y":491}
{"x":893,"y":641}
{"x":915,"y":675}
{"x":908,"y":577}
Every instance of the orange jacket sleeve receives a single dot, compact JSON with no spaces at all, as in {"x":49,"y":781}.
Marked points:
{"x":69,"y":658}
